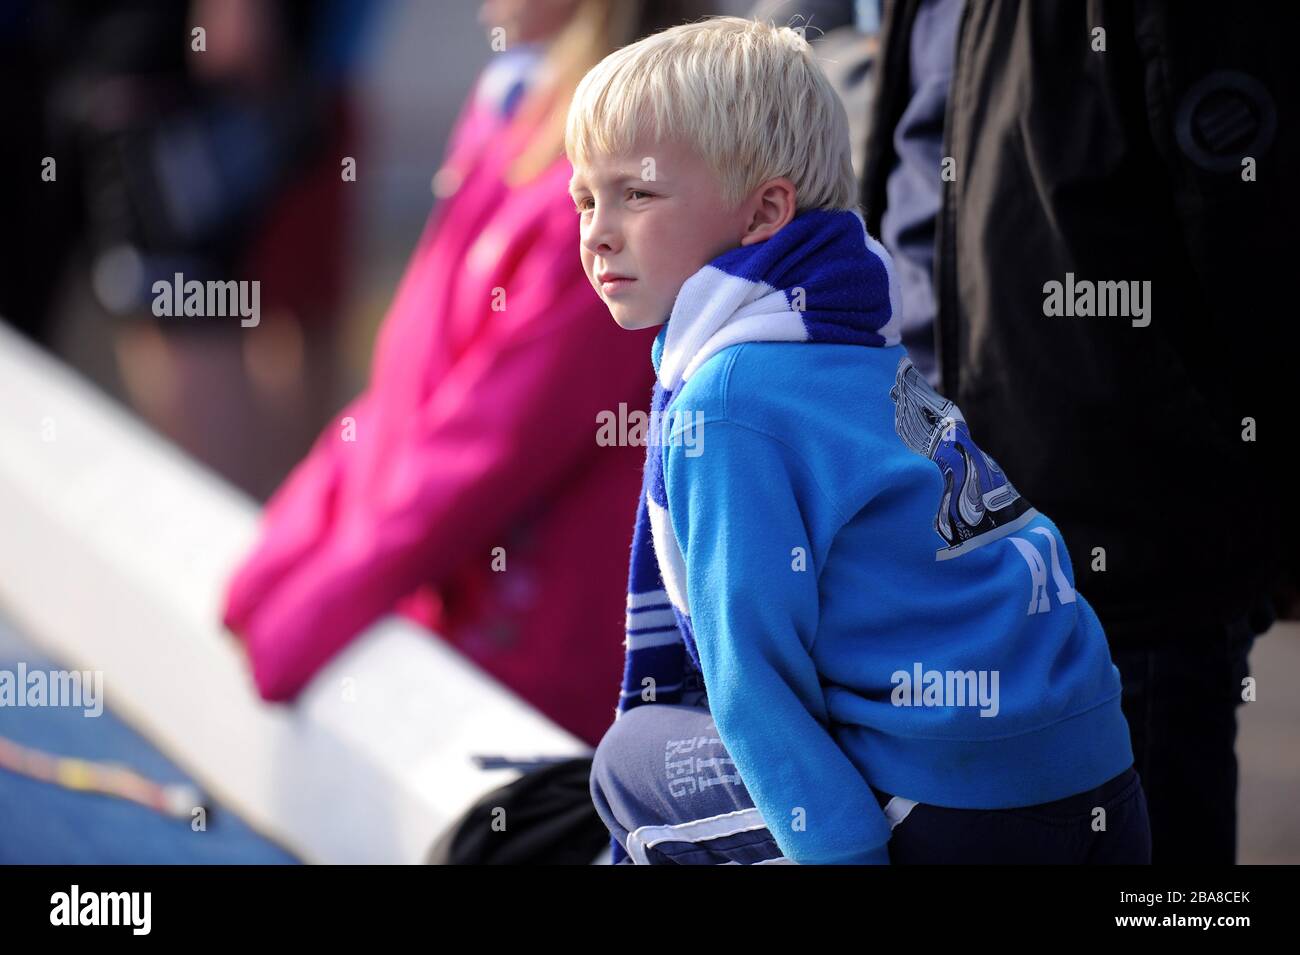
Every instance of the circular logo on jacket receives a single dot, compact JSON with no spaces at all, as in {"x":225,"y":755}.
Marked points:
{"x":1224,"y":117}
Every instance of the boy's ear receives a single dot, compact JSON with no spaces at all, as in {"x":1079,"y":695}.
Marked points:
{"x":771,"y":207}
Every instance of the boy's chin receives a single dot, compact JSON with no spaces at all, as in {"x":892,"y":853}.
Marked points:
{"x":631,"y":322}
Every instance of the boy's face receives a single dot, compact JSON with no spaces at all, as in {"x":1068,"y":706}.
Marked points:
{"x":654,"y":216}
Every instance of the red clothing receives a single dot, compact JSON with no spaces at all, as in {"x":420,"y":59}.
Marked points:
{"x":478,"y":431}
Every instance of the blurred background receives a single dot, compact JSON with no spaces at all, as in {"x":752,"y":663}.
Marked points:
{"x":231,"y":163}
{"x":168,"y":167}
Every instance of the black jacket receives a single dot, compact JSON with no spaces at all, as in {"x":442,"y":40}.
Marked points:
{"x":1124,"y":165}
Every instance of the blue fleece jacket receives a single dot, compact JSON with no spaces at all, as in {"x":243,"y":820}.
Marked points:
{"x":816,"y":593}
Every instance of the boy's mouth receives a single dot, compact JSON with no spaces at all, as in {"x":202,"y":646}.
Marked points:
{"x":611,"y":283}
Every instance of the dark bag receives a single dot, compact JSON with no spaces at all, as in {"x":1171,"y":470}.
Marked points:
{"x":549,"y":819}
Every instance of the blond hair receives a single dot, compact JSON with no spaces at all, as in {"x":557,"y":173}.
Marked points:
{"x":747,"y":96}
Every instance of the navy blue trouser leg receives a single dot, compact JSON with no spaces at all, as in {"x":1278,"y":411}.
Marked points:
{"x":1069,"y":831}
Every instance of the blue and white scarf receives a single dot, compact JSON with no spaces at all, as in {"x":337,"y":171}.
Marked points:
{"x":821,"y":278}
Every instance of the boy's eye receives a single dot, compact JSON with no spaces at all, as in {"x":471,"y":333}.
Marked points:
{"x":580,"y":204}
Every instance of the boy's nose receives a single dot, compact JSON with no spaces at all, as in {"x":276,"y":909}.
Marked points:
{"x":599,"y":237}
{"x":601,"y":246}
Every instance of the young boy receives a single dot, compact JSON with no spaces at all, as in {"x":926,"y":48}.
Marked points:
{"x":861,"y":644}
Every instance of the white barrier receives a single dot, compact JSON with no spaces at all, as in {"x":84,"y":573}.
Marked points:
{"x":114,"y":549}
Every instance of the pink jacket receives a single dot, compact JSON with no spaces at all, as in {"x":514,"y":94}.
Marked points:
{"x":478,"y":431}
